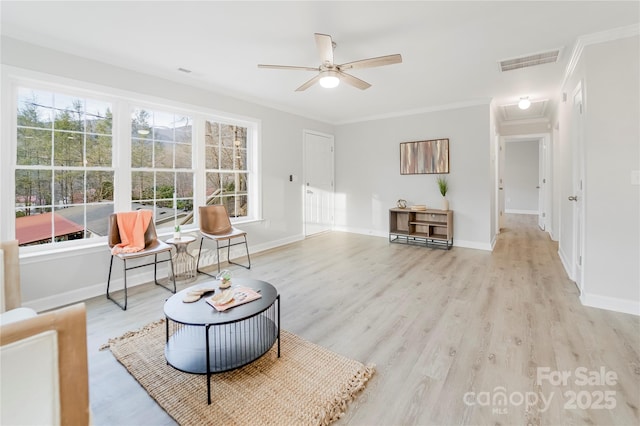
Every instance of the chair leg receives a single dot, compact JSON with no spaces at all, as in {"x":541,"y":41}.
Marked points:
{"x":198,"y":261}
{"x":228,"y":247}
{"x":155,"y":273}
{"x":248,"y":258}
{"x":123,"y":307}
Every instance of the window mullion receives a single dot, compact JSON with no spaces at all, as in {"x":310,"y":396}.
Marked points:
{"x":199,"y":164}
{"x":122,"y":155}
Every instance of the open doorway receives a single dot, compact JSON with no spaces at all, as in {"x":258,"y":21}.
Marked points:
{"x":524,"y":177}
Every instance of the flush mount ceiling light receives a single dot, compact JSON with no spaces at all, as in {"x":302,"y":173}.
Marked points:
{"x":524,"y":103}
{"x":329,"y":79}
{"x":143,"y":132}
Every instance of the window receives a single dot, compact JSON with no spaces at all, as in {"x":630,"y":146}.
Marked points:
{"x":226,"y":167}
{"x":64,"y":173}
{"x":161,"y":172}
{"x":79,"y":158}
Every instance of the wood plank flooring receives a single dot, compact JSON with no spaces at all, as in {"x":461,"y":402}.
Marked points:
{"x":442,"y":327}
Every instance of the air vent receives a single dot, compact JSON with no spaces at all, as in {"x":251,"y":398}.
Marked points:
{"x":530,"y":60}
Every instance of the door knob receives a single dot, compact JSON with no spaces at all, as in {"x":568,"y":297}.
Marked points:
{"x":573,"y":198}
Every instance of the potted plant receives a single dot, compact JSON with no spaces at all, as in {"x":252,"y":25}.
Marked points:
{"x":443,"y":185}
{"x":176,"y":232}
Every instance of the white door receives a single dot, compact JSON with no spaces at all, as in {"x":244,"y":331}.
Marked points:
{"x":542,"y":161}
{"x":577,"y":198}
{"x":318,"y":182}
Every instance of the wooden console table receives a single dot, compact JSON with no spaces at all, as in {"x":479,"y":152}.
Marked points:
{"x":430,"y":228}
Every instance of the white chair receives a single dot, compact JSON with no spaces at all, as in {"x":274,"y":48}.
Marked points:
{"x":45,"y":375}
{"x":10,"y":292}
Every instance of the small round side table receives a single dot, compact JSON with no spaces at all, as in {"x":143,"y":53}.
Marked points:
{"x":184,"y":264}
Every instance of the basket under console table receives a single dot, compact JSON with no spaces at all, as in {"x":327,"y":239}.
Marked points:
{"x":430,"y":228}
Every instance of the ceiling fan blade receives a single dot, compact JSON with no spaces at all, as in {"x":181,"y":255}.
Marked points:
{"x":372,"y":62}
{"x":288,"y":67}
{"x":353,"y":81}
{"x":308,"y":84}
{"x":325,"y":48}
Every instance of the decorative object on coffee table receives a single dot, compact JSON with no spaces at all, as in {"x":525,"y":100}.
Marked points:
{"x":224,"y":277}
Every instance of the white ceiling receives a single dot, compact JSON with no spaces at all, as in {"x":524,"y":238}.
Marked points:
{"x":450,"y":49}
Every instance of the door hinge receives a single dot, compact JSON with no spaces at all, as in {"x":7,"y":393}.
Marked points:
{"x":544,"y":215}
{"x":580,"y":260}
{"x":544,"y":181}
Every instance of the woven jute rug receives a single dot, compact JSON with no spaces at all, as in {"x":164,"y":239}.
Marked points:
{"x":307,"y":385}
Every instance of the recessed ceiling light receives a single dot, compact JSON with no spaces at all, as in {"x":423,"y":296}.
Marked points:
{"x":184,"y":70}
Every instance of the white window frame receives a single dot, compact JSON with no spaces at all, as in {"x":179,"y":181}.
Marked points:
{"x":123,"y":102}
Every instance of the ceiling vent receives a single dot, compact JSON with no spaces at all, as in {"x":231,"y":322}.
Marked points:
{"x":530,"y":60}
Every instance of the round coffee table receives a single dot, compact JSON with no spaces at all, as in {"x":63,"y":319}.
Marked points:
{"x":201,"y":340}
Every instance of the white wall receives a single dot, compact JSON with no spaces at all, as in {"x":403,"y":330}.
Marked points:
{"x":368,"y":180}
{"x":610,"y":75}
{"x":64,"y":277}
{"x":612,"y":142}
{"x":521,"y":177}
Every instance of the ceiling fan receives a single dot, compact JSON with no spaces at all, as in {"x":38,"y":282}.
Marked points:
{"x":330,"y":74}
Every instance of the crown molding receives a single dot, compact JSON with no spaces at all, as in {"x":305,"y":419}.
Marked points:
{"x":595,"y":38}
{"x":455,"y":105}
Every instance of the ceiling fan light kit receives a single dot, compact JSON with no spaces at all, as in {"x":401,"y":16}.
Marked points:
{"x":329,"y":74}
{"x":329,"y":79}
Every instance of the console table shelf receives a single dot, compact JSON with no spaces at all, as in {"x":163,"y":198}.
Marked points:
{"x":431,"y":228}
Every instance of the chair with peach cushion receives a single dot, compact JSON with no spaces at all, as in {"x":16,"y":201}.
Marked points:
{"x":152,"y":247}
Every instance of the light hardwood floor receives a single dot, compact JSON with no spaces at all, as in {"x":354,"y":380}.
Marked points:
{"x":442,"y":327}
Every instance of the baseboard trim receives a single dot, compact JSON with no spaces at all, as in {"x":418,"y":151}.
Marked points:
{"x":361,"y":231}
{"x":565,"y":264}
{"x":611,"y":303}
{"x":472,"y":245}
